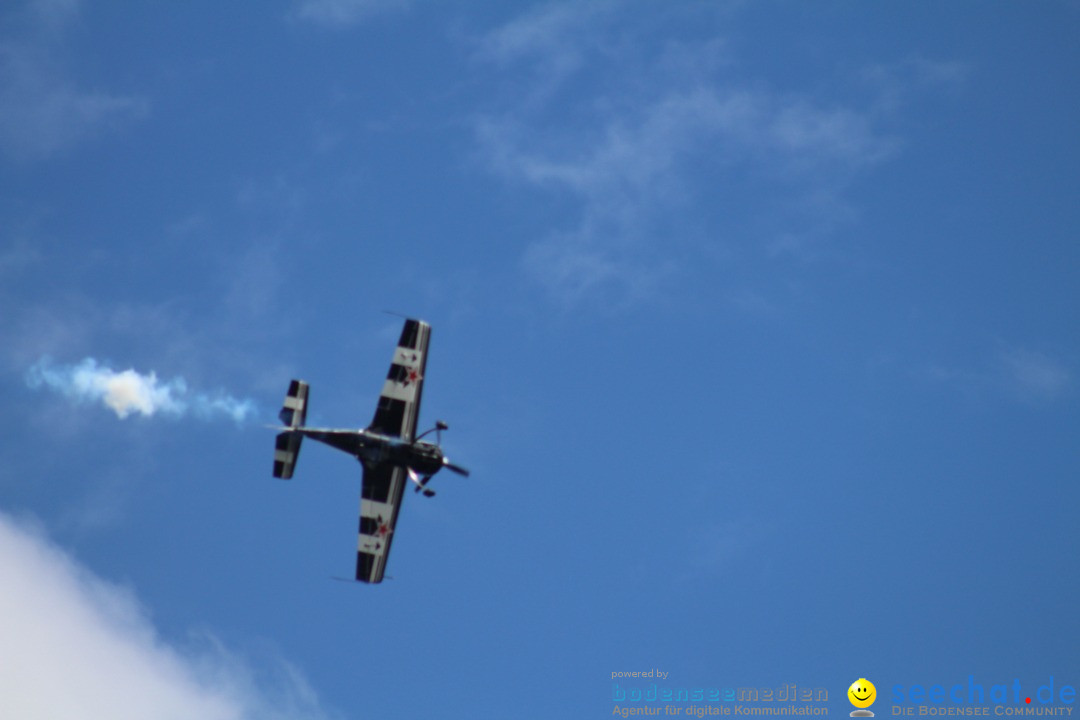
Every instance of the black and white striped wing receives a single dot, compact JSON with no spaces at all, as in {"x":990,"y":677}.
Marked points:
{"x":380,"y":501}
{"x":395,"y":416}
{"x":399,"y":404}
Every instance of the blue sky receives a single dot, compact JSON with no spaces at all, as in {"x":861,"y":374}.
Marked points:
{"x":756,"y":323}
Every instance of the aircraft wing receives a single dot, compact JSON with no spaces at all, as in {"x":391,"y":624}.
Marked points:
{"x":395,"y":416}
{"x":380,"y":500}
{"x":399,"y":403}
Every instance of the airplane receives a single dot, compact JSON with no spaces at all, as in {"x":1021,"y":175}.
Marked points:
{"x":389,"y":449}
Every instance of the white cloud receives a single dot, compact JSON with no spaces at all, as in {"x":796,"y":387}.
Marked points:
{"x":128,"y":391}
{"x":552,"y":36}
{"x":1015,"y":373}
{"x":41,"y":110}
{"x":575,"y":265}
{"x":543,"y":31}
{"x":895,"y":82}
{"x":1033,"y":376}
{"x":339,"y":13}
{"x":19,"y":256}
{"x":628,"y":154}
{"x":635,"y":128}
{"x":75,"y":646}
{"x":52,"y":12}
{"x":718,"y":546}
{"x":632,"y":167}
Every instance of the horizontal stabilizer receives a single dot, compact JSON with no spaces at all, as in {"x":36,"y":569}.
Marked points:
{"x":293,"y":413}
{"x":286,"y":451}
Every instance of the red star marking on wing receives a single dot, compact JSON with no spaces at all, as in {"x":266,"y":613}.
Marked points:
{"x":414,"y":375}
{"x":384,"y":530}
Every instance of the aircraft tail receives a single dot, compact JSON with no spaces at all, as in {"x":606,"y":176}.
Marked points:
{"x":293,"y":413}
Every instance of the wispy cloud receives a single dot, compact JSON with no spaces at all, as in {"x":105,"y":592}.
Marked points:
{"x":1016,"y":373}
{"x":343,"y":13}
{"x":553,"y":38}
{"x":41,"y":110}
{"x":53,"y":12}
{"x":628,"y":128}
{"x":718,"y":546}
{"x":614,"y":163}
{"x":545,"y":31}
{"x":894,"y":83}
{"x":128,"y":392}
{"x":82,"y":647}
{"x":1034,"y":376}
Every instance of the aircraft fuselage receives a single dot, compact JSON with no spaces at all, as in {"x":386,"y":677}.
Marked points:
{"x":373,"y":449}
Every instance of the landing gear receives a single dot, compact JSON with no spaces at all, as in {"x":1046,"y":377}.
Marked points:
{"x":432,"y":453}
{"x":421,"y":483}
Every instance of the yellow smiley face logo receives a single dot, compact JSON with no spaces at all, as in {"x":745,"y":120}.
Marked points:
{"x":862,"y":693}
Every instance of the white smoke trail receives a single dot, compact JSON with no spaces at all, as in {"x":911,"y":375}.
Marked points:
{"x":130,"y":392}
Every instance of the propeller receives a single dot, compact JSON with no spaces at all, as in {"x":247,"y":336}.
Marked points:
{"x":439,"y":427}
{"x":421,"y":482}
{"x":456,"y":468}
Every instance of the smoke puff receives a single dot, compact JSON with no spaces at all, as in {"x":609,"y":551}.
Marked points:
{"x":130,"y":392}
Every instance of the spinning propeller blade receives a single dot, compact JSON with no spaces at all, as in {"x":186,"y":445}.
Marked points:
{"x":456,"y":468}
